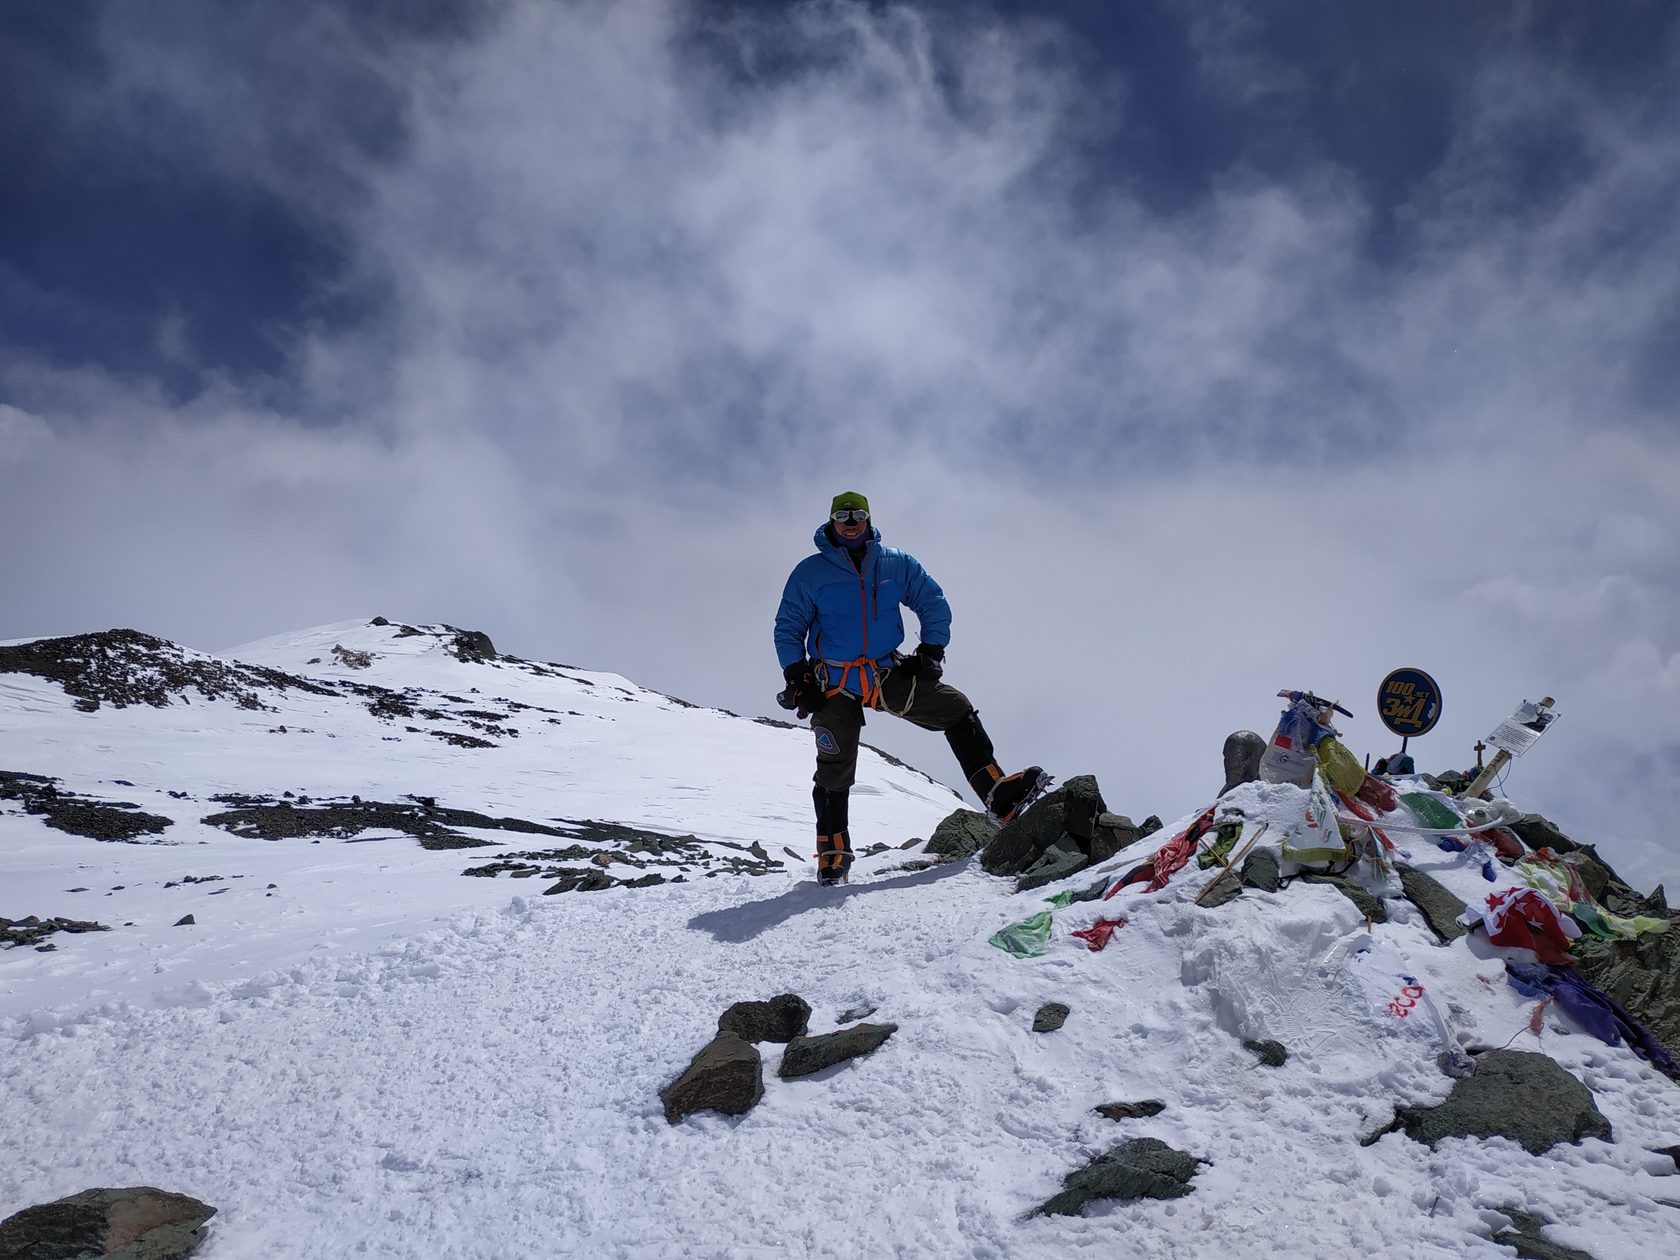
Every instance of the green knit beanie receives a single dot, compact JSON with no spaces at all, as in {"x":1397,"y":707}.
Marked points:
{"x":849,"y":500}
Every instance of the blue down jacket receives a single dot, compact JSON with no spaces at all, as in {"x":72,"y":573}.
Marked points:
{"x":833,"y":613}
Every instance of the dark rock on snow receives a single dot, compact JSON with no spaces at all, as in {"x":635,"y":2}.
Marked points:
{"x":1370,"y":905}
{"x":1270,"y":1053}
{"x":124,"y":667}
{"x":1131,"y":1111}
{"x":136,"y":1223}
{"x":806,"y":1055}
{"x":1530,"y":1244}
{"x":1260,"y":870}
{"x":1144,"y":1168}
{"x":1440,"y":908}
{"x":32,"y":930}
{"x":1243,"y":750}
{"x":186,"y":920}
{"x":1050,"y":1017}
{"x":726,"y":1076}
{"x":1513,"y":1094}
{"x":79,"y":815}
{"x":782,"y":1018}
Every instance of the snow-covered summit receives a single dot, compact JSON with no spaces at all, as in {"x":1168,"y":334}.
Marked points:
{"x":323,"y":991}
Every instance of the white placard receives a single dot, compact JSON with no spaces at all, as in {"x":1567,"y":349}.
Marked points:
{"x":1517,"y":733}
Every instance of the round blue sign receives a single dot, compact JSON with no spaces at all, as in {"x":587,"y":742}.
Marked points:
{"x":1409,"y":702}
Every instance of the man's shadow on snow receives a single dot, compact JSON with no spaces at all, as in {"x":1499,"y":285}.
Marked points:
{"x":735,"y":924}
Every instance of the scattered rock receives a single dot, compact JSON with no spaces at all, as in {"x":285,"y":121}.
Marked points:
{"x":136,"y":1223}
{"x":33,"y":930}
{"x":782,"y":1018}
{"x":1270,"y":1053}
{"x":964,"y":831}
{"x":186,"y":920}
{"x":581,"y":881}
{"x":124,"y":667}
{"x":1131,"y":1111}
{"x":806,"y":1055}
{"x":1144,"y":1168}
{"x":726,"y":1076}
{"x":79,"y":815}
{"x":1440,"y":908}
{"x":1050,"y":1017}
{"x":1226,"y":887}
{"x":1260,"y":870}
{"x":856,"y":1013}
{"x":1528,"y":1240}
{"x":351,"y":658}
{"x":1513,"y":1094}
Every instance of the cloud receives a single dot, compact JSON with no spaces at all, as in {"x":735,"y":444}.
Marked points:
{"x":19,"y":433}
{"x":638,"y":310}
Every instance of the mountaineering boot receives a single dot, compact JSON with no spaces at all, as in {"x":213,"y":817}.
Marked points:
{"x":834,"y":841}
{"x":1012,"y":793}
{"x":834,"y":859}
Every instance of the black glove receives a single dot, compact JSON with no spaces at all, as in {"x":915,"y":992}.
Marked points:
{"x":927,"y":661}
{"x":804,"y":693}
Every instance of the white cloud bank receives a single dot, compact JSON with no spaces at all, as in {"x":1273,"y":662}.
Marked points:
{"x":642,"y":319}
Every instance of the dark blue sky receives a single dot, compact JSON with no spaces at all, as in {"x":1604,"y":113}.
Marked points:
{"x":125,"y":204}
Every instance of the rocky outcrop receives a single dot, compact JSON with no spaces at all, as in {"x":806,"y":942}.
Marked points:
{"x":964,"y":831}
{"x":1144,"y":1168}
{"x":781,"y":1019}
{"x":806,"y":1055}
{"x":726,"y":1076}
{"x":1643,"y":975}
{"x":124,"y":667}
{"x":1068,"y":830}
{"x":1513,"y":1094}
{"x":135,"y":1223}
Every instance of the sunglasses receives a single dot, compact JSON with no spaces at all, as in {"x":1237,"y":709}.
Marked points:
{"x":845,"y":515}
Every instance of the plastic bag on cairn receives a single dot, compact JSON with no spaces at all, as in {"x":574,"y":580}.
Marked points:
{"x":1289,"y":756}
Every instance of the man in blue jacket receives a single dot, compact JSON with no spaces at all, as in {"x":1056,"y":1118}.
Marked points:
{"x":838,"y":632}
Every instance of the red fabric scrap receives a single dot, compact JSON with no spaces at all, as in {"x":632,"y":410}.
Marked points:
{"x":1096,"y":936}
{"x":1504,"y":842}
{"x":1169,"y":859}
{"x":1377,"y":794}
{"x":1354,"y":807}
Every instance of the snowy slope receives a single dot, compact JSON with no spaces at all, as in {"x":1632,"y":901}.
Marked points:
{"x":386,"y":1059}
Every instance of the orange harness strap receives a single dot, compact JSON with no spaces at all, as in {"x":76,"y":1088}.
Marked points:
{"x":871,"y":691}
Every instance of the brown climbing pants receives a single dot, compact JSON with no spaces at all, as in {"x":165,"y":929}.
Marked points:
{"x":930,"y":703}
